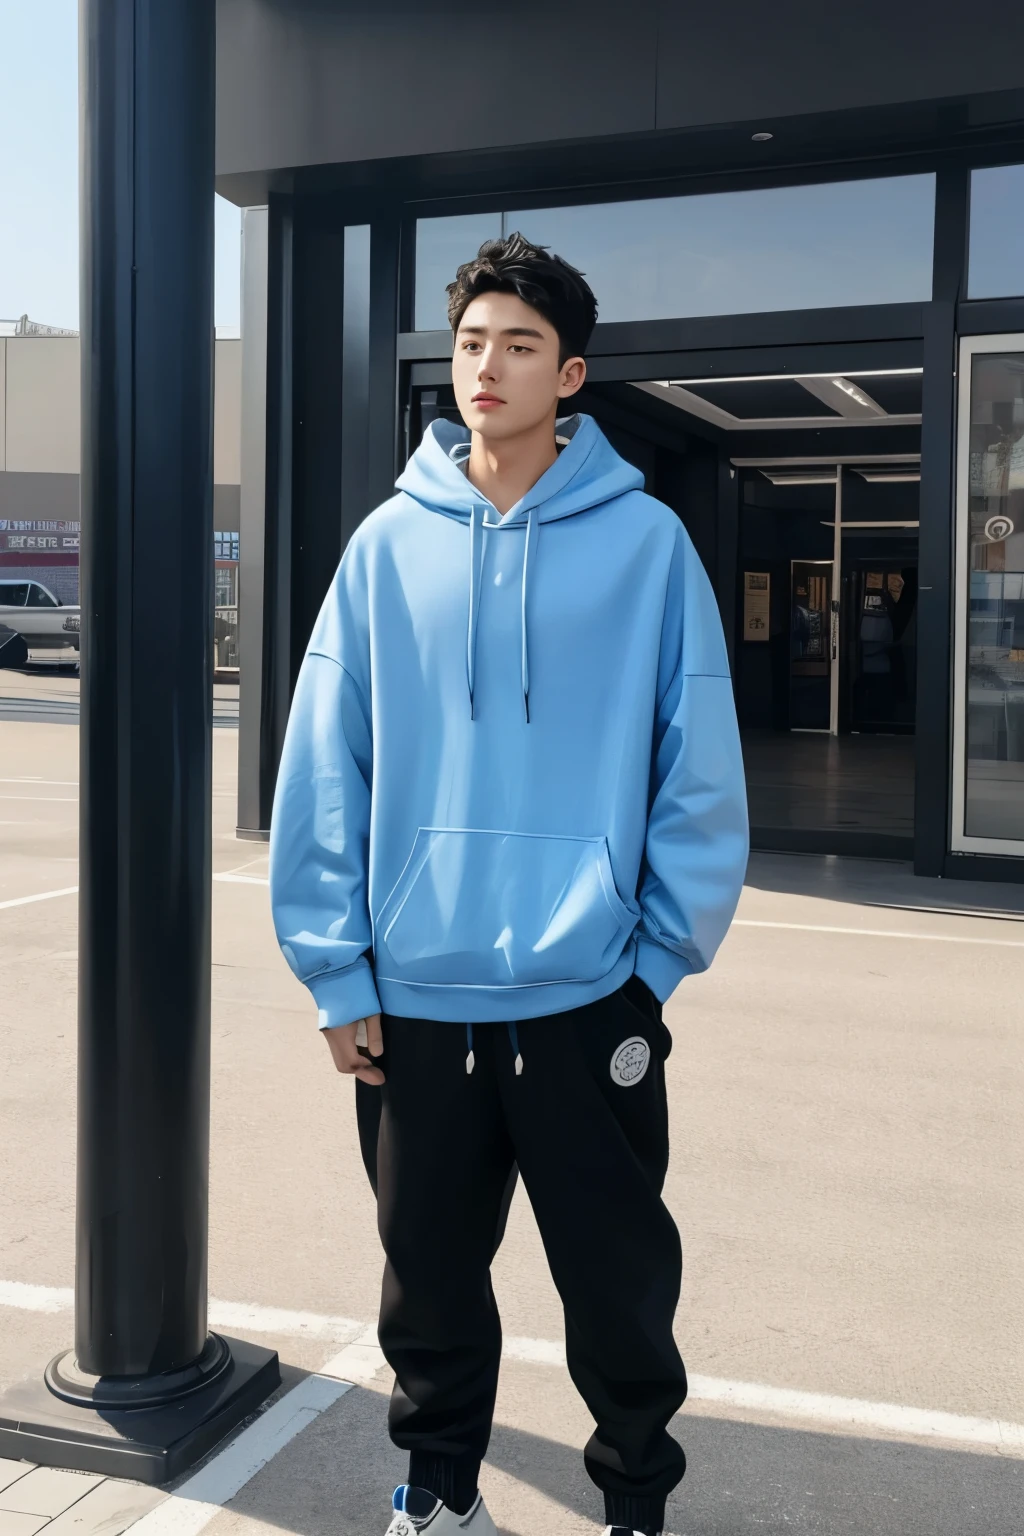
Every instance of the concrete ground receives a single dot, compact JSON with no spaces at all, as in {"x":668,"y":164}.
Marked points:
{"x":846,"y":1174}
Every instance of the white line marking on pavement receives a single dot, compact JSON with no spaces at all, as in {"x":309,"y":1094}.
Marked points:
{"x":223,"y":1314}
{"x":924,"y":1423}
{"x":41,"y":799}
{"x":241,"y":868}
{"x":358,"y":1361}
{"x":534,"y":1351}
{"x":237,"y":1314}
{"x":879,"y":933}
{"x":242,"y":879}
{"x":201,"y":1498}
{"x":36,"y":1298}
{"x":47,"y":783}
{"x":27,"y":901}
{"x":362,"y":1358}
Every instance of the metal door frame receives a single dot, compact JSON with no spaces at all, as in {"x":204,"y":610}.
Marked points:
{"x":960,"y":841}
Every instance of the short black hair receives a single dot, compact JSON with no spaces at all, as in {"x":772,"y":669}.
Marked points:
{"x":548,"y":284}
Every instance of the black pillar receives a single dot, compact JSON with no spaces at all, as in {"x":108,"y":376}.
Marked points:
{"x":318,"y":365}
{"x":268,"y":471}
{"x":146,"y":1388}
{"x":147,"y":340}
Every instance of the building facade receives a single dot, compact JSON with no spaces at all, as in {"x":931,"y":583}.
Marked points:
{"x":40,"y":450}
{"x":806,"y":235}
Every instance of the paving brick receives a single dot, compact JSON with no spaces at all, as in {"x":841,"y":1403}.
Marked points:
{"x":106,"y":1510}
{"x":20,"y":1525}
{"x":45,"y":1491}
{"x":10,"y":1471}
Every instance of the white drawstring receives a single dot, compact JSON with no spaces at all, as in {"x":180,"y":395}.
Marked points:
{"x":531,"y":536}
{"x":513,"y":1040}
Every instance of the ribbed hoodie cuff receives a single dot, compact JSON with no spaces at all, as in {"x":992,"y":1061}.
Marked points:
{"x":452,"y":1479}
{"x":637,"y":1512}
{"x":344,"y":996}
{"x":660,"y":968}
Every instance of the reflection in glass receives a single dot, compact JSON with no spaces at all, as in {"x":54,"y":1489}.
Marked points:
{"x":996,"y":266}
{"x":442,"y":245}
{"x":730,"y":253}
{"x":722,"y":253}
{"x":995,"y":679}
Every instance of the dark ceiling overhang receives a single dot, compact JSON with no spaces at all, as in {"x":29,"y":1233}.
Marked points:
{"x":868,"y":141}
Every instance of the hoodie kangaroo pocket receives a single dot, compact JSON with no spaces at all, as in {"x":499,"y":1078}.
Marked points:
{"x":502,"y":909}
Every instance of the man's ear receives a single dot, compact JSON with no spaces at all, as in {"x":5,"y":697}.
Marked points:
{"x":572,"y":376}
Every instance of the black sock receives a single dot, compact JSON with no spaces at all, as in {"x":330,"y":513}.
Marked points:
{"x":452,"y":1480}
{"x":635,"y":1512}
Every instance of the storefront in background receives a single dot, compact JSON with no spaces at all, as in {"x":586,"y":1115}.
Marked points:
{"x":807,"y":246}
{"x":46,"y":551}
{"x":43,"y":550}
{"x":40,"y":415}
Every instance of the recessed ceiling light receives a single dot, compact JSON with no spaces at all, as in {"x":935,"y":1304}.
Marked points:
{"x":800,"y":476}
{"x":854,"y":393}
{"x":762,"y":138}
{"x":889,"y":476}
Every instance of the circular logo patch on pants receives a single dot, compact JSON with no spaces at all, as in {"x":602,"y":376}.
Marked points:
{"x":630,"y":1061}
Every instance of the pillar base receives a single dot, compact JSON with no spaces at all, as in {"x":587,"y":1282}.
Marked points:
{"x":148,"y":1445}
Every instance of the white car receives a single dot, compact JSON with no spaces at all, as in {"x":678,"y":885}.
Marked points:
{"x":42,"y":619}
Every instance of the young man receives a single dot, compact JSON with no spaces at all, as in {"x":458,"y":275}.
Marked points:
{"x":510,"y":819}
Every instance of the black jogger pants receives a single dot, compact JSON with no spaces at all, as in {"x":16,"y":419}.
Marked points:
{"x":586,"y":1123}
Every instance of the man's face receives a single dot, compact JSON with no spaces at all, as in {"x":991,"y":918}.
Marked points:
{"x":505,"y":369}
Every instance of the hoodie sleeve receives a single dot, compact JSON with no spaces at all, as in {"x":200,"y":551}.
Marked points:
{"x":697,"y":834}
{"x":320,"y":831}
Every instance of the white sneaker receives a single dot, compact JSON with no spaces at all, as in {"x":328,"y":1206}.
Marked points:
{"x":417,"y":1510}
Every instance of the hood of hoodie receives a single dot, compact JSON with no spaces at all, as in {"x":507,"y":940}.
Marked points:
{"x":587,"y":472}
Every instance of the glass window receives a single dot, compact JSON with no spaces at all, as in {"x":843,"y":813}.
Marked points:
{"x":996,"y":263}
{"x":771,"y":248}
{"x":226,"y":586}
{"x":225,"y":546}
{"x":728,"y":253}
{"x":994,"y":741}
{"x":13,"y":594}
{"x":442,"y":245}
{"x":38,"y":597}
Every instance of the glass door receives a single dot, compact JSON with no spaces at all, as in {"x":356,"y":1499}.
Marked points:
{"x":988,"y":734}
{"x":880,"y":649}
{"x":810,"y":645}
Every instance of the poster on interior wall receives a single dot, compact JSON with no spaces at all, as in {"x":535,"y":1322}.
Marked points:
{"x":757,"y":594}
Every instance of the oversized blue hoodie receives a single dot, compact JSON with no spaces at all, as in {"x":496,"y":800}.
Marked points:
{"x":512,"y":773}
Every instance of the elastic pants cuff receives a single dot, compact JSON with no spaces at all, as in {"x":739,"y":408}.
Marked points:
{"x":452,"y":1479}
{"x":636,"y":1512}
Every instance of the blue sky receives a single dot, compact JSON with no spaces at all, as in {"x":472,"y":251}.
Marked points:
{"x":39,"y":170}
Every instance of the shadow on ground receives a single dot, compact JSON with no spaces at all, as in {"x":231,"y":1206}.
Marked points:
{"x":880,"y":883}
{"x":335,"y":1480}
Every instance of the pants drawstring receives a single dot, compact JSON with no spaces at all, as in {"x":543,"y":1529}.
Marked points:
{"x":513,"y":1040}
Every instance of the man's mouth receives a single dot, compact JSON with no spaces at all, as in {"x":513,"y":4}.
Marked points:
{"x":484,"y":398}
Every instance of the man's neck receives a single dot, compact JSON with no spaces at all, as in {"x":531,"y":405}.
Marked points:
{"x":504,"y":471}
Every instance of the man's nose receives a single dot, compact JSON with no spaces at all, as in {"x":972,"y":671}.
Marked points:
{"x":486,"y":365}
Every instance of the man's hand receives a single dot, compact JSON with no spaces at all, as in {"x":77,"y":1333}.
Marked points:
{"x":343,"y":1043}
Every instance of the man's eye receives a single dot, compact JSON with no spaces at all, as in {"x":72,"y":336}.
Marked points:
{"x":516,"y":348}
